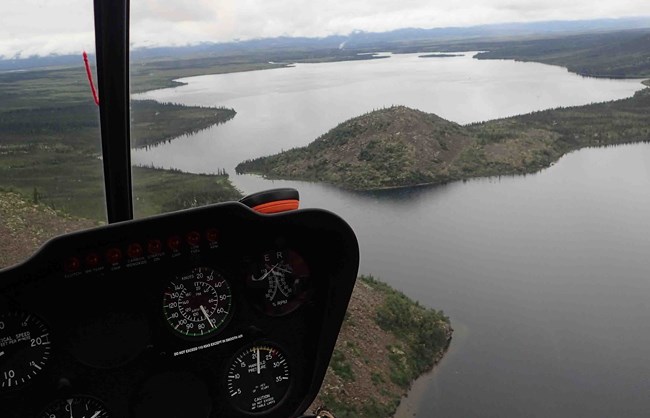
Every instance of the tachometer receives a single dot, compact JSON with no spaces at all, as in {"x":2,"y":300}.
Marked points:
{"x":24,"y":348}
{"x":258,"y":378}
{"x":280,"y":283}
{"x":198,"y":303}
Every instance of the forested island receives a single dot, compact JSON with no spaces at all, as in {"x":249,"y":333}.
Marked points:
{"x":402,"y":147}
{"x":439,"y":55}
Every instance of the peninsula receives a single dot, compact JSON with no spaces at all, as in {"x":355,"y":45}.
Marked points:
{"x":403,"y":147}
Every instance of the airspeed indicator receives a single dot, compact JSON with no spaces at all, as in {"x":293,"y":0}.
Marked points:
{"x":197,"y":303}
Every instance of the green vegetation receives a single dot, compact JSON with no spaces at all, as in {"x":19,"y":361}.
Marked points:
{"x":159,"y":74}
{"x":155,"y":122}
{"x":373,"y":408}
{"x":615,"y":55}
{"x":52,"y":109}
{"x":49,"y":146}
{"x":55,"y":106}
{"x":341,"y":367}
{"x":439,"y":55}
{"x":387,"y":341}
{"x":423,"y":333}
{"x":72,"y":181}
{"x":24,"y":226}
{"x":49,"y":131}
{"x":401,"y":147}
{"x":163,"y":71}
{"x":342,"y":409}
{"x":390,"y":147}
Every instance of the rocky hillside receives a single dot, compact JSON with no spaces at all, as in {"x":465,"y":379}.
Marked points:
{"x":398,"y":146}
{"x":386,"y":342}
{"x":25,"y":226}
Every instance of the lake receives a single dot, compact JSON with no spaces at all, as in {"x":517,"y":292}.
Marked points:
{"x":546,"y":277}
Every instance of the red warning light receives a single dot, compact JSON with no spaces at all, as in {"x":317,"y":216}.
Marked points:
{"x":134,"y":250}
{"x":71,"y":265}
{"x":154,"y":246}
{"x":114,"y":255}
{"x":212,"y":235}
{"x":92,"y":260}
{"x":194,"y":238}
{"x":174,"y":243}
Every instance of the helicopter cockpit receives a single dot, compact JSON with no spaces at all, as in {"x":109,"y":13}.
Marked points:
{"x":229,"y":310}
{"x":211,"y":312}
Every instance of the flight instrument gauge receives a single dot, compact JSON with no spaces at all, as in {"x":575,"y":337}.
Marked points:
{"x":24,"y":348}
{"x":258,"y":378}
{"x":76,"y":407}
{"x":280,"y":282}
{"x":198,"y":303}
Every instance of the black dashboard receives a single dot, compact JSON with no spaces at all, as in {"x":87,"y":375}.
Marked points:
{"x":212,"y":312}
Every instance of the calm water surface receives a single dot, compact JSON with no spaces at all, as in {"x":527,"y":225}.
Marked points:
{"x":284,"y":108}
{"x":546,"y":277}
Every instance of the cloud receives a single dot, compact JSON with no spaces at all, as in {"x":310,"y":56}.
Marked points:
{"x":41,"y":27}
{"x":225,"y":20}
{"x":65,"y":26}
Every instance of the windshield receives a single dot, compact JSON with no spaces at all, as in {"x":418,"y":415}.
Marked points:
{"x":491,"y":157}
{"x":50,"y":172}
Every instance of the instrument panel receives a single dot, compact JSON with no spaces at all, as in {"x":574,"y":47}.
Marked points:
{"x":212,"y":312}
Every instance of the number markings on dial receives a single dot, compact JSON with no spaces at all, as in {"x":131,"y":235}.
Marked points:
{"x":258,"y":378}
{"x":25,"y":345}
{"x":198,"y":303}
{"x":76,"y":407}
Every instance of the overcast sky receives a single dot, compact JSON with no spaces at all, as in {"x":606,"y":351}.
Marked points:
{"x":41,"y":27}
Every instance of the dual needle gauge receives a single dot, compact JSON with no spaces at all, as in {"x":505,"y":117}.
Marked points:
{"x":279,"y":282}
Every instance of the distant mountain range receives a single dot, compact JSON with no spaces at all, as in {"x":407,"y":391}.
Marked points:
{"x":357,"y":40}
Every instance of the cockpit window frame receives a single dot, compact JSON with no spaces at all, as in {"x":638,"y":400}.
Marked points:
{"x":112,"y":20}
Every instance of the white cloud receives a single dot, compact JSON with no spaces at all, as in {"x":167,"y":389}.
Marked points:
{"x":41,"y":27}
{"x":65,"y":26}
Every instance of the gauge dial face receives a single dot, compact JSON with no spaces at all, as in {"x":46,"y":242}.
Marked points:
{"x":258,"y":378}
{"x":198,"y":304}
{"x":76,"y":407}
{"x":280,"y":282}
{"x":24,"y":349}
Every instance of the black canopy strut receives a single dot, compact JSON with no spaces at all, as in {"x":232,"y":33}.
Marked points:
{"x":112,"y":46}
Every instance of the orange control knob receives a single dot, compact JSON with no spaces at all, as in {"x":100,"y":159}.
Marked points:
{"x":273,"y":201}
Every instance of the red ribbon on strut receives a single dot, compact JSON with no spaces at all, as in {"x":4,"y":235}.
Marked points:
{"x":90,"y":78}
